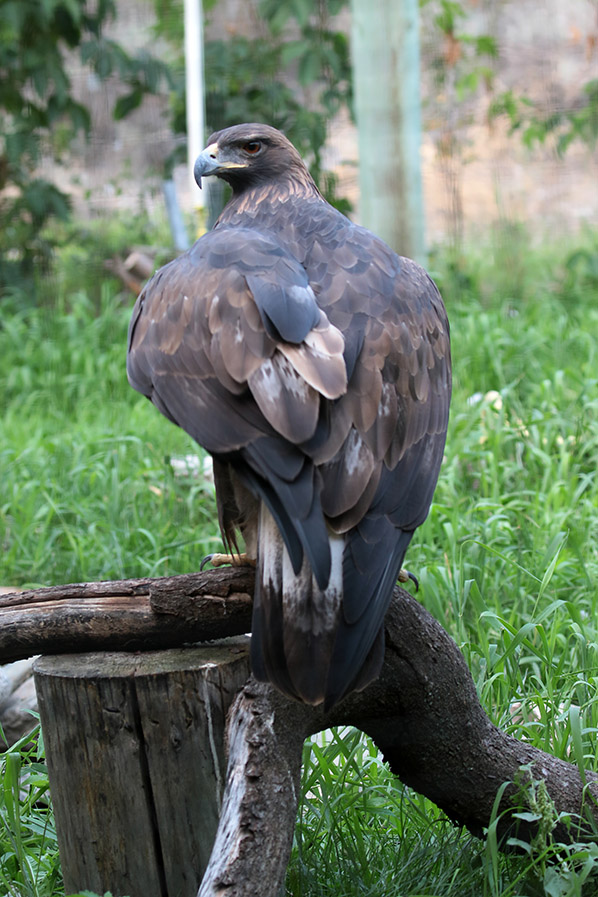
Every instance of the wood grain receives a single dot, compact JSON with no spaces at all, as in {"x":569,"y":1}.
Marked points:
{"x":135,"y":752}
{"x":129,"y":615}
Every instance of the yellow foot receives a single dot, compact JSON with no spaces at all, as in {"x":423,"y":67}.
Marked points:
{"x":219,"y":560}
{"x":405,"y":576}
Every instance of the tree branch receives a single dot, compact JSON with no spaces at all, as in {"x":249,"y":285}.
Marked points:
{"x":424,"y":715}
{"x":251,"y":851}
{"x":126,"y":615}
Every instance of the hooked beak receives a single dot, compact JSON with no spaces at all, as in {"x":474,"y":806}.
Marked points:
{"x":208,"y":163}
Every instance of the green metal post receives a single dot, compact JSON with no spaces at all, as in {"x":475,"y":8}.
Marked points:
{"x":386,"y":71}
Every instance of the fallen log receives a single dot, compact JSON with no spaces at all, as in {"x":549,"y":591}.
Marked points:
{"x":126,"y":615}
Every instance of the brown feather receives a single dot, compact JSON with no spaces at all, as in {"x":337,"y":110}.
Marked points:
{"x":319,"y":359}
{"x":287,"y":401}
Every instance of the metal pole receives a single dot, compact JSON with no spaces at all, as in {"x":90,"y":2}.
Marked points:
{"x":175,"y":218}
{"x":194,"y":82}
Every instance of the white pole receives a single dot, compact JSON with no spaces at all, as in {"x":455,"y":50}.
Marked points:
{"x":195,"y":90}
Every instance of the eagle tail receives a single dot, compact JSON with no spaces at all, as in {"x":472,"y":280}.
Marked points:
{"x":359,"y":644}
{"x":301,"y":641}
{"x":294,"y":620}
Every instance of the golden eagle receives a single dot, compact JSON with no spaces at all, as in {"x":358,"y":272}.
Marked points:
{"x":313,"y":363}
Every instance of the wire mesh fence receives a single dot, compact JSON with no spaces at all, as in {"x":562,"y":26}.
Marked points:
{"x":501,"y":82}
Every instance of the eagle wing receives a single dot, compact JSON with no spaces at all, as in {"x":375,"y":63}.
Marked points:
{"x":380,"y":457}
{"x":208,"y":343}
{"x":320,"y":381}
{"x":229,"y":343}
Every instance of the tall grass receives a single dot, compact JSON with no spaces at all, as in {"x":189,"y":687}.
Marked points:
{"x":29,"y":863}
{"x":507,"y":560}
{"x":88,"y":490}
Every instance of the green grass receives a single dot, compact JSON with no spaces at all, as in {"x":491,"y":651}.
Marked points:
{"x":507,"y":560}
{"x":29,"y":862}
{"x":89,"y":492}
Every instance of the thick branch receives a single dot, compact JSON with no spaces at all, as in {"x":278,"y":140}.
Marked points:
{"x":126,"y":615}
{"x":253,"y":843}
{"x":424,"y":714}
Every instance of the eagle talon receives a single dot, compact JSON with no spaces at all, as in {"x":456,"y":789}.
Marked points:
{"x":206,"y":560}
{"x":406,"y":575}
{"x":235,"y":560}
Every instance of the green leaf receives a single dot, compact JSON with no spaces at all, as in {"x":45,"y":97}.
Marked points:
{"x":486,"y":45}
{"x":310,"y":66}
{"x":576,"y":735}
{"x":302,"y":9}
{"x":557,"y":882}
{"x":74,"y":8}
{"x":527,"y":816}
{"x":125,"y":105}
{"x":293,"y":50}
{"x":551,"y":567}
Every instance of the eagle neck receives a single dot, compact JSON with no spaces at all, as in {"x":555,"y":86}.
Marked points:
{"x":269,"y":201}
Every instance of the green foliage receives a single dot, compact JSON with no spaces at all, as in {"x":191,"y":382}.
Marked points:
{"x":462,"y":61}
{"x":36,"y":105}
{"x":358,"y":833}
{"x":563,"y":127}
{"x":464,"y":64}
{"x":249,"y":79}
{"x":83,"y":490}
{"x":85,"y":252}
{"x":29,"y":862}
{"x":243,"y":84}
{"x":321,"y":53}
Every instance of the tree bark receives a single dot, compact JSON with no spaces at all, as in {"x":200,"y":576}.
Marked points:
{"x":126,"y":615}
{"x":251,"y":851}
{"x":423,"y":713}
{"x":135,"y":753}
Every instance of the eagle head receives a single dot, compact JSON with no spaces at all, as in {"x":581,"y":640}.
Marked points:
{"x":249,"y":155}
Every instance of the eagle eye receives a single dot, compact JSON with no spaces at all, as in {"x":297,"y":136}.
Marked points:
{"x":252,"y":147}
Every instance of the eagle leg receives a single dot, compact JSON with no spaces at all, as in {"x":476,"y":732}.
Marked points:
{"x":406,"y":575}
{"x":236,"y":560}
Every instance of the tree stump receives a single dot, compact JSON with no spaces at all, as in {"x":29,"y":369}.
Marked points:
{"x":135,"y":753}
